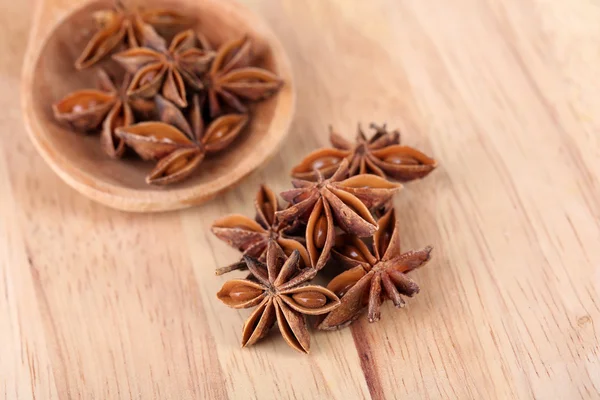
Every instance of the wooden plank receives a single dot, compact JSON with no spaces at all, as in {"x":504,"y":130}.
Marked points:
{"x":96,"y":303}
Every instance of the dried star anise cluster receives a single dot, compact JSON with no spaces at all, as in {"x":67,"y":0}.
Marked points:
{"x":339,"y":218}
{"x":178,"y":101}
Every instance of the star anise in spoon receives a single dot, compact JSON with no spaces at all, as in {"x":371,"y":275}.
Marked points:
{"x":373,"y":275}
{"x":123,"y":25}
{"x":163,"y":69}
{"x":231,"y":80}
{"x":252,"y":237}
{"x":109,"y":106}
{"x":380,"y":155}
{"x":180,"y":146}
{"x":338,"y":201}
{"x":281,"y":296}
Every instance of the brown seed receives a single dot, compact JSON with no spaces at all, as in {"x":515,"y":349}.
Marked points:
{"x":310,"y":299}
{"x":324,"y":162}
{"x":320,"y":232}
{"x":352,"y":252}
{"x":243,"y":293}
{"x":401,"y":159}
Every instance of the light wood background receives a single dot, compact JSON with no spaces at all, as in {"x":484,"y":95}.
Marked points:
{"x":100,"y":304}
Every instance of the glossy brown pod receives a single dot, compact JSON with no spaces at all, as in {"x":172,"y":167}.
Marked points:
{"x":59,"y":33}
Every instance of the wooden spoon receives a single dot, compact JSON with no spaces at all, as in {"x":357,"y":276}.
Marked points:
{"x":59,"y":33}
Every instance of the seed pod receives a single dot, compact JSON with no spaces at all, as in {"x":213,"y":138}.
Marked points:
{"x":344,"y":281}
{"x":84,"y":110}
{"x":383,"y":236}
{"x":401,"y":159}
{"x":353,"y":252}
{"x":154,"y":140}
{"x":326,"y":161}
{"x":310,"y":299}
{"x":222,"y":131}
{"x":320,"y":232}
{"x":266,"y":205}
{"x":241,"y":293}
{"x":403,"y":163}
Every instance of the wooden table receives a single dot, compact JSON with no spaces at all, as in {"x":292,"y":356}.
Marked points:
{"x":100,"y":304}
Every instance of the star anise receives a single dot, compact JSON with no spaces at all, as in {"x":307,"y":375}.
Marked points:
{"x":332,"y":202}
{"x":230,"y":79}
{"x":166,"y":70}
{"x":179,"y":147}
{"x":281,"y":295}
{"x":252,"y":236}
{"x":373,"y":275}
{"x":85,"y":110}
{"x":380,"y":155}
{"x":123,"y":25}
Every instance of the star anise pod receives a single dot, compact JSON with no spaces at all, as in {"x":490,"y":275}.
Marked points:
{"x":166,"y":70}
{"x":373,"y":275}
{"x":281,"y":295}
{"x":179,"y":147}
{"x":251,"y":237}
{"x":338,"y":201}
{"x":109,"y":106}
{"x":230,"y":79}
{"x":380,"y":155}
{"x":123,"y":25}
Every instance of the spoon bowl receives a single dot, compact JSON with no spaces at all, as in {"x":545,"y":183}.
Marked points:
{"x":49,"y":74}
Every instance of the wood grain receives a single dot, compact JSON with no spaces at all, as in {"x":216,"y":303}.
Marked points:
{"x":99,"y":304}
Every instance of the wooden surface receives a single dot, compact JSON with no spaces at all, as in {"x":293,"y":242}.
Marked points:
{"x":100,"y":304}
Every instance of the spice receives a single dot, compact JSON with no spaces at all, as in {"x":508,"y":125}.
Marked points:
{"x":280,"y":295}
{"x":165,"y":78}
{"x":109,"y":107}
{"x":231,"y":79}
{"x":252,"y":237}
{"x":337,"y":201}
{"x":337,"y":215}
{"x":178,"y":146}
{"x":165,"y":70}
{"x":380,"y":155}
{"x":373,"y":274}
{"x":122,"y":25}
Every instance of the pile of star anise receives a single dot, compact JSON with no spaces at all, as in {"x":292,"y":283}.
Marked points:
{"x":339,"y":221}
{"x":177,"y":101}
